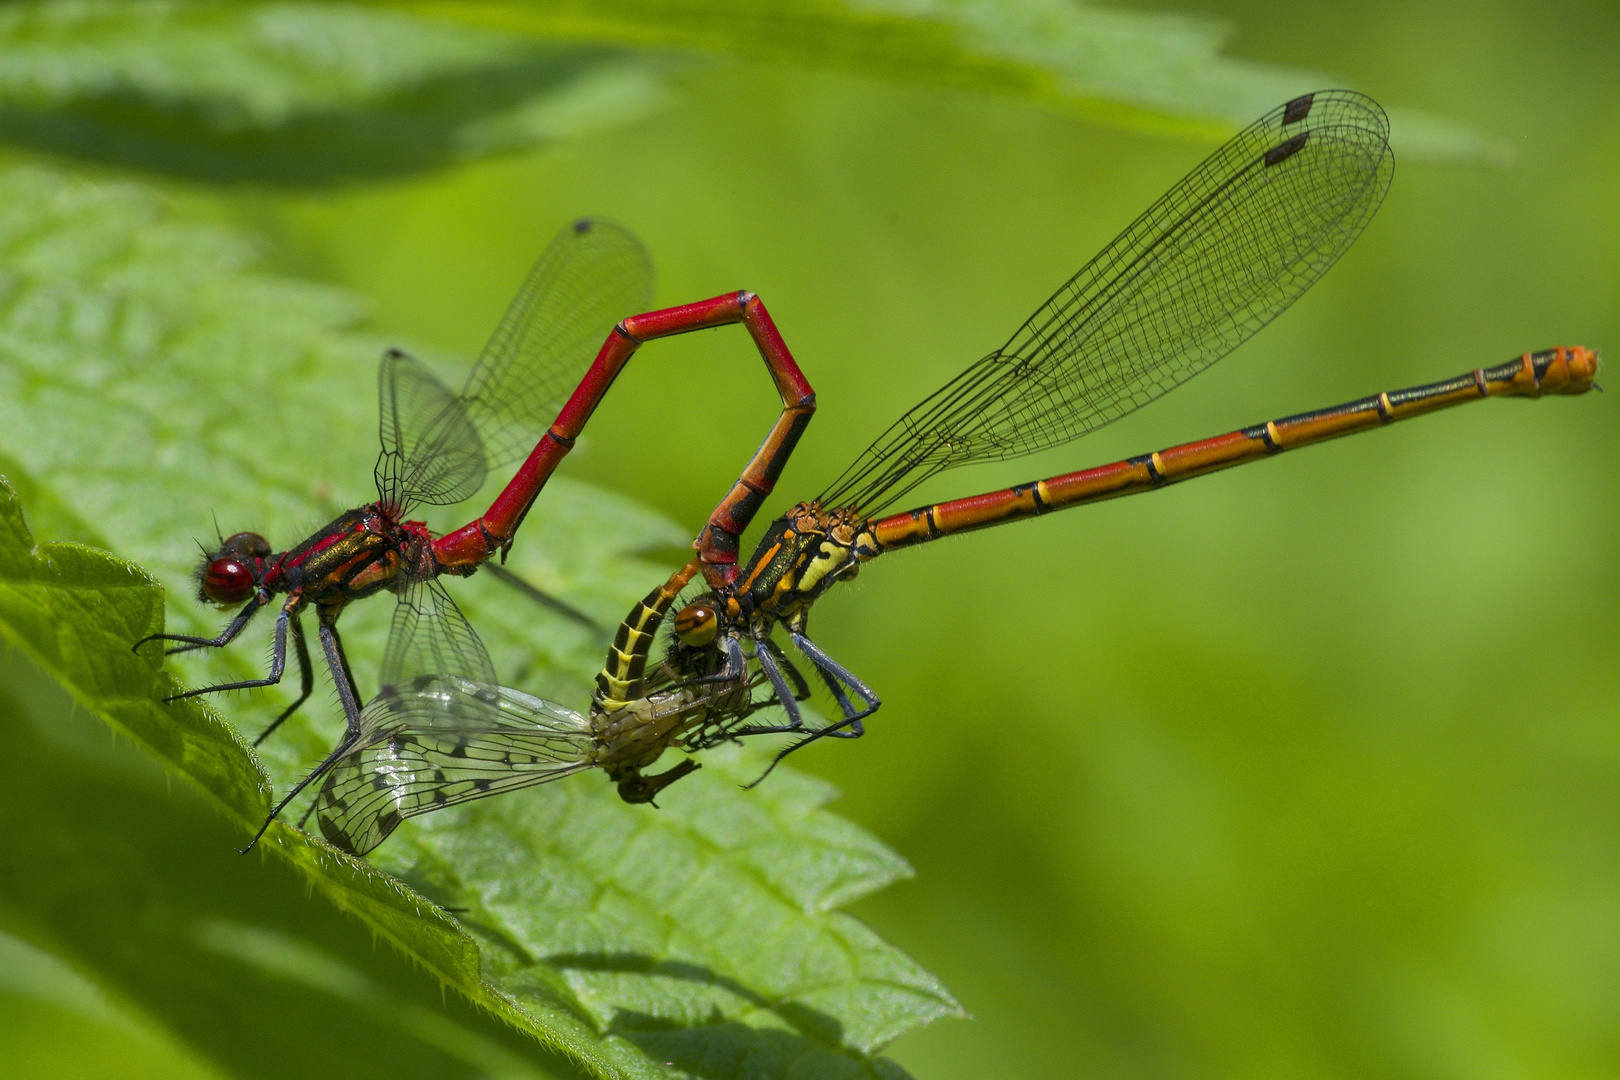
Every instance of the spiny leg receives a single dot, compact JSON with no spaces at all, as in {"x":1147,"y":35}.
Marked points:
{"x":801,"y":688}
{"x":232,"y":631}
{"x":833,"y":674}
{"x":332,"y":647}
{"x":306,"y":677}
{"x":736,"y":664}
{"x":836,"y":676}
{"x":774,"y":664}
{"x":784,"y":694}
{"x":316,"y":773}
{"x":278,"y":660}
{"x":342,"y":678}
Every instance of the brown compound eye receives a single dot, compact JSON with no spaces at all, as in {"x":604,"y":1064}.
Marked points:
{"x":227,"y":580}
{"x":697,"y":622}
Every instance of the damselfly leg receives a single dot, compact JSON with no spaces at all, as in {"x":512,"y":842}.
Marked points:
{"x":766,"y":653}
{"x":278,"y":653}
{"x":541,"y":597}
{"x":232,"y":631}
{"x":349,"y":697}
{"x":306,"y":678}
{"x":837,"y":677}
{"x":840,"y":681}
{"x":785,"y":666}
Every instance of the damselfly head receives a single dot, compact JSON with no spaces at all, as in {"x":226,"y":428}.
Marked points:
{"x":698,"y":622}
{"x":229,"y":576}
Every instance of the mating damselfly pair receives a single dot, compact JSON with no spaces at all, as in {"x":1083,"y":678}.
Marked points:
{"x":1226,"y":250}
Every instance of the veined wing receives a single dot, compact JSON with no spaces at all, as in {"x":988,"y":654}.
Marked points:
{"x":431,"y":453}
{"x":430,"y":636}
{"x":1225,"y":251}
{"x":438,"y":741}
{"x":592,"y":275}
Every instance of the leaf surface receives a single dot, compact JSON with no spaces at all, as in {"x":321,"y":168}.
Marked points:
{"x":309,"y":93}
{"x":297,"y":92}
{"x":1130,"y":68}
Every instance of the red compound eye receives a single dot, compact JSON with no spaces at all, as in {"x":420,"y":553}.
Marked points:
{"x":227,"y":581}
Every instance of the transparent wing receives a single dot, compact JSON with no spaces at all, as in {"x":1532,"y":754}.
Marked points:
{"x":1220,"y":255}
{"x":593,"y":274}
{"x":431,"y":453}
{"x":430,"y":636}
{"x":438,"y":741}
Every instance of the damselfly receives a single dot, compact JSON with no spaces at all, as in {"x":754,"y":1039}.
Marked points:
{"x":1221,"y":254}
{"x":1216,"y":258}
{"x":437,"y":448}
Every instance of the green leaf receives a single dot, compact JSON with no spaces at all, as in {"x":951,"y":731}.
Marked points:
{"x":306,"y":93}
{"x":294,"y":92}
{"x":135,"y":944}
{"x":148,"y":375}
{"x":1132,"y":68}
{"x":720,"y":907}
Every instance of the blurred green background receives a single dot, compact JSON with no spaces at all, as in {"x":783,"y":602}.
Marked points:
{"x":1307,"y":769}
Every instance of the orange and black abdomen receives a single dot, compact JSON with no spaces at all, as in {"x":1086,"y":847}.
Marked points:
{"x":1563,"y":370}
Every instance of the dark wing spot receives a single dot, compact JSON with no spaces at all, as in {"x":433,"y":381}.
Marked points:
{"x":1285,"y":150}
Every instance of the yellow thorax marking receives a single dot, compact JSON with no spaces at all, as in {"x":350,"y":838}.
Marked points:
{"x":830,"y":558}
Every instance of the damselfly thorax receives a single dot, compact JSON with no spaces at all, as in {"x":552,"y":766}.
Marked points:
{"x":801,"y":556}
{"x":358,"y":554}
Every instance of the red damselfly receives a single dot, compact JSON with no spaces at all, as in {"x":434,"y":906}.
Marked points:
{"x":437,"y":448}
{"x":1222,"y":253}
